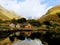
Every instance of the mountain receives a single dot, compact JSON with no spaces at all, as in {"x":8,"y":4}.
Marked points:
{"x":8,"y":15}
{"x":53,"y":15}
{"x":53,"y":10}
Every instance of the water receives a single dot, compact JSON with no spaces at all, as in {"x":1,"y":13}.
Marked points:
{"x":29,"y":42}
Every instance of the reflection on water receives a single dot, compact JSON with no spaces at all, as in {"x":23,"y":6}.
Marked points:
{"x":29,"y":42}
{"x":15,"y":39}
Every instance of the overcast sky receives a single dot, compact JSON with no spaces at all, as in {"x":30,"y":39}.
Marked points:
{"x":29,"y":8}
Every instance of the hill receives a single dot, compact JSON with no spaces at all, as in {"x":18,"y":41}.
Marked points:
{"x":53,"y":15}
{"x":51,"y":20}
{"x":8,"y":15}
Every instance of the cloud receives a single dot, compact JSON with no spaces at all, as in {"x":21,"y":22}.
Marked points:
{"x":27,"y":8}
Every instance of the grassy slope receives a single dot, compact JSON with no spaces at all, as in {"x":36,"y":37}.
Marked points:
{"x":51,"y":15}
{"x":6,"y":14}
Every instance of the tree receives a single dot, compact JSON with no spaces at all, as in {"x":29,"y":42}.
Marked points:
{"x":58,"y":14}
{"x":14,"y":21}
{"x":47,"y":23}
{"x":22,"y":20}
{"x":34,"y":22}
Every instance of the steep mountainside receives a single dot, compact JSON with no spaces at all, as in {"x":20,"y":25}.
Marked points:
{"x":53,"y":15}
{"x":8,"y":15}
{"x":53,"y":10}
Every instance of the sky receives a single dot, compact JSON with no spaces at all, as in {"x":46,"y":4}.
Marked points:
{"x":29,"y":8}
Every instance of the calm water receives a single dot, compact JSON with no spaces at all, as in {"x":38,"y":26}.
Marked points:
{"x":29,"y":42}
